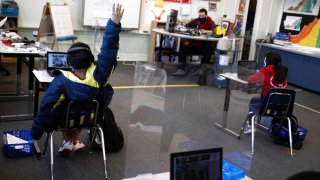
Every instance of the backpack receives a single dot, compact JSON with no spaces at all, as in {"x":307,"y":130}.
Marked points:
{"x":280,"y":133}
{"x":113,"y":135}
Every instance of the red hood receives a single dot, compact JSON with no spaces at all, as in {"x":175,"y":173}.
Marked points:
{"x":269,"y":70}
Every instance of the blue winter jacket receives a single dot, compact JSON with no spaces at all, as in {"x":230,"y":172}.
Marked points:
{"x":67,"y":86}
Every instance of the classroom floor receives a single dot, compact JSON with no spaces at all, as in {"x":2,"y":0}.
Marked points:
{"x":159,"y":121}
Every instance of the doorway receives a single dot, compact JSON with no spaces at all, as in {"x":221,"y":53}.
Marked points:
{"x":249,"y":28}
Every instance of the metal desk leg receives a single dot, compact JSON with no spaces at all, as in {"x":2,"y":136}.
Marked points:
{"x":36,"y":98}
{"x":160,"y":51}
{"x":223,"y":126}
{"x":29,"y":115}
{"x":30,"y":86}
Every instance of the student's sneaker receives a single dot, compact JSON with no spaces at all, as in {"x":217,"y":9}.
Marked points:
{"x":78,"y":146}
{"x":179,"y":72}
{"x":248,"y":129}
{"x":66,"y":147}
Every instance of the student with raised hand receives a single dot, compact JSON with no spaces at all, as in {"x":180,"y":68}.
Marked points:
{"x":80,"y":84}
{"x":272,"y":75}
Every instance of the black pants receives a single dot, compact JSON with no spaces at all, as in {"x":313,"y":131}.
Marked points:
{"x":186,"y":50}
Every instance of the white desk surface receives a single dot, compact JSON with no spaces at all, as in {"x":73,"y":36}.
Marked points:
{"x":296,"y":48}
{"x":30,"y":50}
{"x":234,"y":77}
{"x":161,"y":176}
{"x":42,"y":76}
{"x":202,"y":38}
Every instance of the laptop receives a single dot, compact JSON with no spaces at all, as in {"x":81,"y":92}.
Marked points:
{"x":200,"y":164}
{"x":57,"y":61}
{"x":246,"y":69}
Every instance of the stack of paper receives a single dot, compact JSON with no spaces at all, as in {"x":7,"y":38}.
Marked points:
{"x":15,"y":140}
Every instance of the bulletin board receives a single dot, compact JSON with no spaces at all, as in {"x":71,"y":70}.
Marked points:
{"x":306,"y":18}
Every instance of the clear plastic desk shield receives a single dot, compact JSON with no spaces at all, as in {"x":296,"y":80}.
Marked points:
{"x":145,"y":128}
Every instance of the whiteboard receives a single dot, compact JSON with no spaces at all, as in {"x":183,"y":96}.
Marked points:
{"x":30,"y":12}
{"x":96,"y":12}
{"x":61,"y":21}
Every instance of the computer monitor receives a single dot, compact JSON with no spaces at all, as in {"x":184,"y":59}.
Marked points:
{"x":196,"y":165}
{"x":172,"y":20}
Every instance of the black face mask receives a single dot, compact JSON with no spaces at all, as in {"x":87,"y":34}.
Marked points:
{"x":202,"y":20}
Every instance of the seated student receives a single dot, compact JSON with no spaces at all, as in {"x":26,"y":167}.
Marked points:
{"x":205,"y":48}
{"x":82,"y":83}
{"x":272,"y":75}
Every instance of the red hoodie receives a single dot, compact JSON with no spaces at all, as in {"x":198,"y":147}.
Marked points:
{"x":266,"y":74}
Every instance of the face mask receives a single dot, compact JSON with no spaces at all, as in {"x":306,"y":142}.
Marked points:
{"x":202,"y":20}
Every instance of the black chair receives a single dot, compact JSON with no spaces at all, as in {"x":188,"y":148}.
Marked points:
{"x":80,"y":115}
{"x":278,"y":103}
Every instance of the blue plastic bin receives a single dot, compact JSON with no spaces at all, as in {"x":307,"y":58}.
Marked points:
{"x":302,"y":133}
{"x":231,"y":172}
{"x":18,"y":150}
{"x":10,"y":11}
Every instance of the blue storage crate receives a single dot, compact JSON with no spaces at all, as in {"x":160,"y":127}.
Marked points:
{"x":302,"y":132}
{"x":231,"y":172}
{"x":18,"y":150}
{"x":10,"y":11}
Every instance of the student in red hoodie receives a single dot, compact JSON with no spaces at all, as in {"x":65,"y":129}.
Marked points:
{"x":272,"y":75}
{"x":205,"y":48}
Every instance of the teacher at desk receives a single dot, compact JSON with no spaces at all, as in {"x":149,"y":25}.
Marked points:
{"x":205,"y":48}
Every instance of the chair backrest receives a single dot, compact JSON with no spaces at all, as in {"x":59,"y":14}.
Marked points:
{"x":82,"y":114}
{"x":278,"y":103}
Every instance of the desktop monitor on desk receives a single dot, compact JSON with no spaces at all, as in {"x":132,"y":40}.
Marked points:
{"x":172,"y":20}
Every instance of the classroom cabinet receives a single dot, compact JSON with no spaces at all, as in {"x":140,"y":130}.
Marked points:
{"x":303,"y":69}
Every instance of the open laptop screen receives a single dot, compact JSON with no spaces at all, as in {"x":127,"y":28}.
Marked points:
{"x":246,"y":69}
{"x":57,"y":60}
{"x":200,"y":164}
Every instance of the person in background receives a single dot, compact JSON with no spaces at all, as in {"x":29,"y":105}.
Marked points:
{"x":81,"y":83}
{"x":272,"y":75}
{"x":205,"y":48}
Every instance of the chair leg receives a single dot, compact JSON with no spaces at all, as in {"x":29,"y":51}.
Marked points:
{"x":290,"y":136}
{"x":244,"y":123}
{"x":46,"y":145}
{"x":51,"y":153}
{"x":103,"y":151}
{"x":252,"y":133}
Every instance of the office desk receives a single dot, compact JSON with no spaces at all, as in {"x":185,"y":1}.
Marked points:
{"x":41,"y":77}
{"x":20,"y":54}
{"x":163,"y":32}
{"x":223,"y":125}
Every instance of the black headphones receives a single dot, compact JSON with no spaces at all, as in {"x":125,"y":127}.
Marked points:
{"x":74,"y":49}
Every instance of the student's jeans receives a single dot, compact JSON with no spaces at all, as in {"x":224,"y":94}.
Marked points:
{"x":206,"y":51}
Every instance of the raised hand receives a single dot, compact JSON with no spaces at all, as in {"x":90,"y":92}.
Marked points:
{"x":117,"y":13}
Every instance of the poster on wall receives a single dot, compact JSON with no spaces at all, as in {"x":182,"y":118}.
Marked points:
{"x":178,"y":1}
{"x":242,"y":5}
{"x":292,"y":23}
{"x":308,"y":7}
{"x":212,"y":7}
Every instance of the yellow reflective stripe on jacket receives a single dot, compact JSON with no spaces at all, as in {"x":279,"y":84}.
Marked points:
{"x":109,"y":76}
{"x":59,"y":101}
